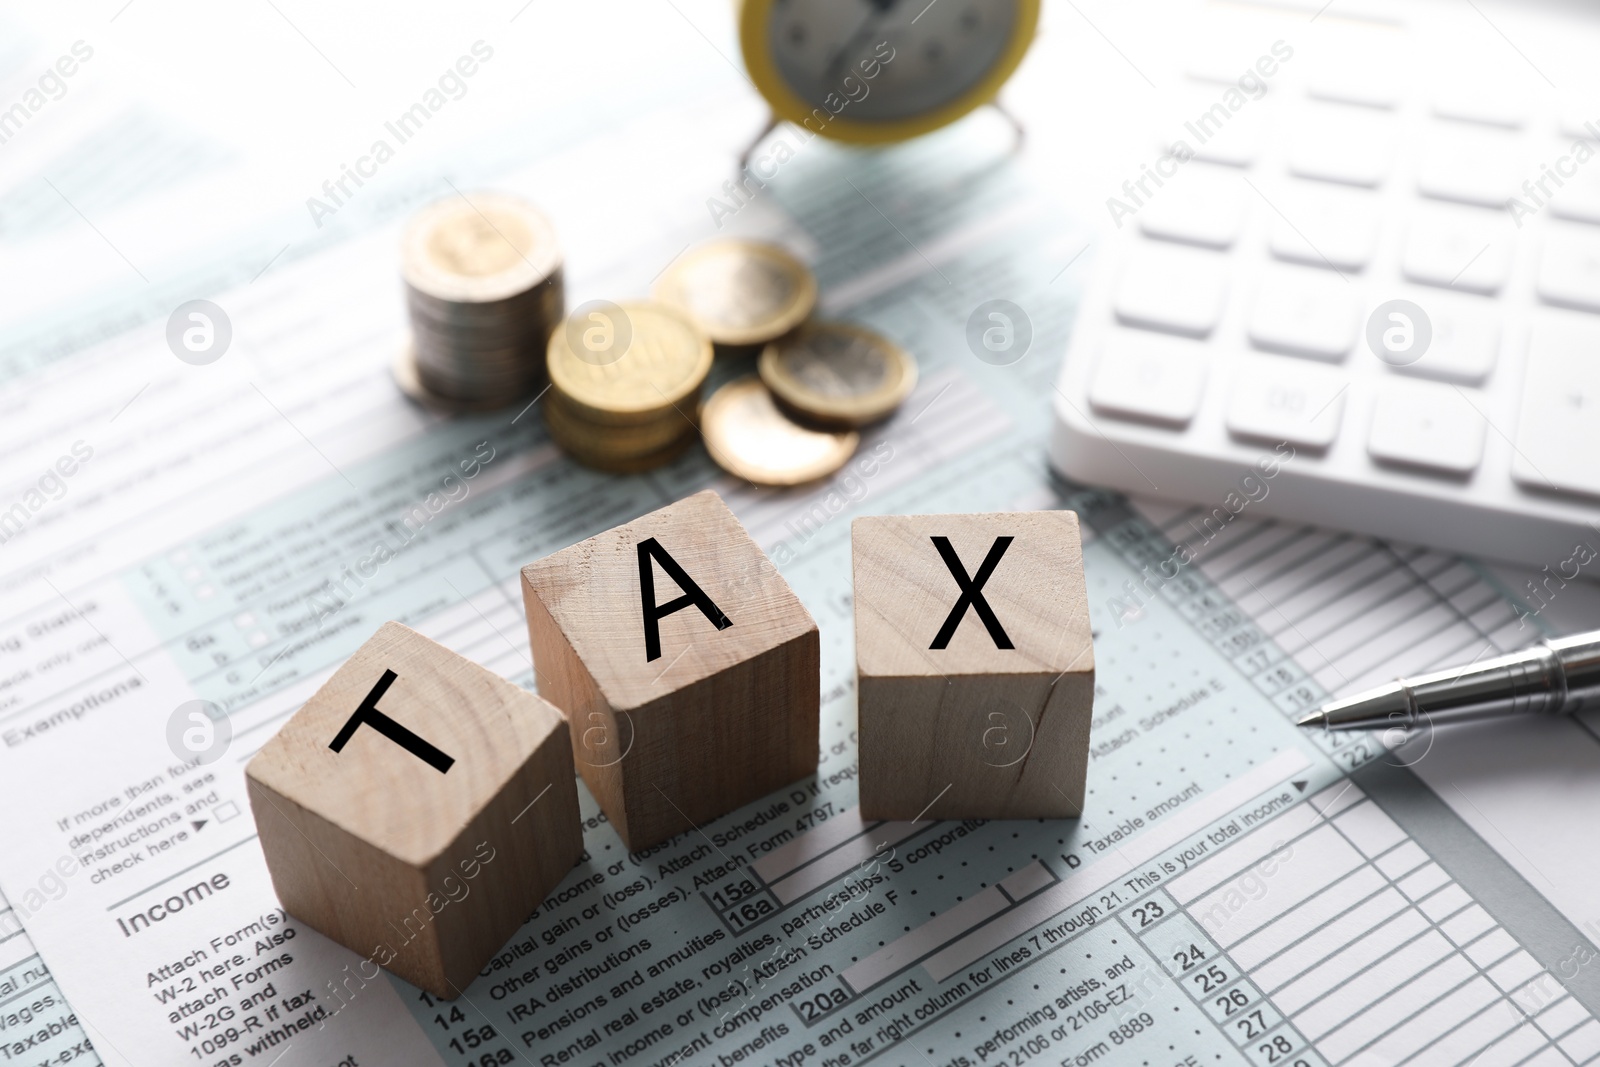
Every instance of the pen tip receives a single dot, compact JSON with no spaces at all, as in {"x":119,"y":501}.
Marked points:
{"x":1316,"y":718}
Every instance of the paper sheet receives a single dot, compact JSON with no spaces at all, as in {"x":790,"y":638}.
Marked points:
{"x":1237,"y":891}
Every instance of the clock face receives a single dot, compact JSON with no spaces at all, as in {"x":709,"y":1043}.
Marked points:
{"x":909,"y":57}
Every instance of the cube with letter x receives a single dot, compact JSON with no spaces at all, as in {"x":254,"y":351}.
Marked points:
{"x":417,"y":809}
{"x":687,"y":668}
{"x":974,"y":665}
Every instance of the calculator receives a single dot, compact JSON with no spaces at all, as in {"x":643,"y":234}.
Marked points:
{"x":1364,"y":256}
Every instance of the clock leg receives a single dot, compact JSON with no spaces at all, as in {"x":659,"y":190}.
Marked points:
{"x":749,"y":149}
{"x":1017,"y":127}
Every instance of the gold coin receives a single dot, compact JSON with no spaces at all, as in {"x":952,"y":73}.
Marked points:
{"x":478,"y":248}
{"x":740,"y":292}
{"x":583,"y":450}
{"x":748,"y":436}
{"x":837,"y":373}
{"x":570,"y":427}
{"x":630,"y":364}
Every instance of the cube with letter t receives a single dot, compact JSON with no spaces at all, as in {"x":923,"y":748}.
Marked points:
{"x":974,"y":665}
{"x":687,"y":668}
{"x":417,"y":809}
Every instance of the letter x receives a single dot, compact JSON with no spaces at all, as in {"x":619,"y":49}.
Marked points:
{"x":971,"y":593}
{"x":369,"y":715}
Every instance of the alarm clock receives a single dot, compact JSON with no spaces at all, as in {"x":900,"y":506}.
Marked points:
{"x":876,"y":71}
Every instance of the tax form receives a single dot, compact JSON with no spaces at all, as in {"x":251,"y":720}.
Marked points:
{"x":1238,"y":891}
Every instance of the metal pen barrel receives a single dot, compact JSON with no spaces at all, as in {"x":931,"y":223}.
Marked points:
{"x":1529,"y":682}
{"x":1580,"y":661}
{"x":1558,"y":677}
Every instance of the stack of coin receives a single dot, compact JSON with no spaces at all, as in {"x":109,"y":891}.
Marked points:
{"x":625,"y":381}
{"x":484,"y":289}
{"x":625,"y":384}
{"x":742,"y":293}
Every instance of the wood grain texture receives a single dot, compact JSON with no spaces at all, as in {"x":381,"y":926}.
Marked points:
{"x":721,"y":716}
{"x":972,"y":729}
{"x":425,"y":872}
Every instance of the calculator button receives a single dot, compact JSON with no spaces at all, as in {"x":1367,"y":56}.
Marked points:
{"x":1171,"y":289}
{"x":1569,"y":269}
{"x":1200,"y":205}
{"x":1303,"y":313}
{"x":1149,"y":378}
{"x":1578,"y":198}
{"x":1418,"y":424}
{"x":1361,"y":67}
{"x":1322,"y":226}
{"x":1575,"y":119}
{"x":1217,"y":50}
{"x":1340,"y":144}
{"x":1470,"y":166}
{"x":1283,"y":400}
{"x":1464,"y":347}
{"x":1558,"y":428}
{"x":1486,"y":100}
{"x":1458,"y":248}
{"x":1355,"y":88}
{"x":1234,"y":140}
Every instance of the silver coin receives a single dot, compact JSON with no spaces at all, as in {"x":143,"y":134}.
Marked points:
{"x":478,"y":247}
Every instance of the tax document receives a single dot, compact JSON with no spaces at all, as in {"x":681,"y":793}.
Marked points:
{"x":1237,"y":890}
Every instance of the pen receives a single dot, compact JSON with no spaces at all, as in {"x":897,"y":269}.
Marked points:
{"x":1555,"y":677}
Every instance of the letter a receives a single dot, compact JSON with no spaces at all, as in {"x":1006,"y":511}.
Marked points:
{"x":692,"y":594}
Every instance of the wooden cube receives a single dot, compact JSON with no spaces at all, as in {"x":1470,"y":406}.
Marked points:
{"x":417,"y":809}
{"x":687,"y":668}
{"x":974,"y":665}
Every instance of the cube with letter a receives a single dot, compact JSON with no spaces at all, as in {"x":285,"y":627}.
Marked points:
{"x":417,"y":809}
{"x":974,"y":665}
{"x":687,"y":668}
